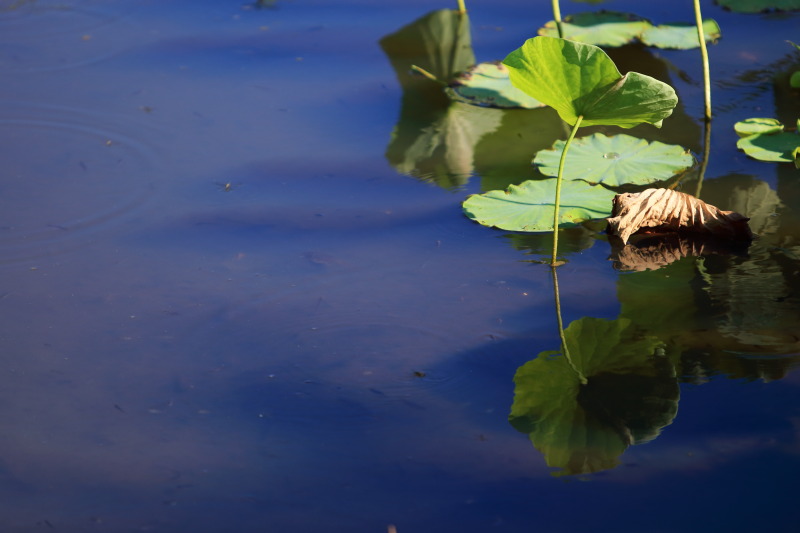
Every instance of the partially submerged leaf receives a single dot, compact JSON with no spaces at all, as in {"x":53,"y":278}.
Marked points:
{"x":751,"y":126}
{"x":777,"y":147}
{"x":581,"y":80}
{"x":529,"y":206}
{"x":682,"y":36}
{"x":612,"y":29}
{"x":665,"y":210}
{"x":488,"y":85}
{"x":615,"y":161}
{"x":601,"y":28}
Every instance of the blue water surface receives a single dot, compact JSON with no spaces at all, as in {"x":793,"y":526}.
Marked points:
{"x":234,"y":298}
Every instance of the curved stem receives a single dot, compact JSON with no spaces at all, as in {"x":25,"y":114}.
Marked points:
{"x":427,"y":74}
{"x":564,"y":348}
{"x":461,"y":7}
{"x":704,"y":54}
{"x":557,"y":18}
{"x":557,"y":202}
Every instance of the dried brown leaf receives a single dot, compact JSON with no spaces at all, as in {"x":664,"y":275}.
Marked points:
{"x":668,"y":211}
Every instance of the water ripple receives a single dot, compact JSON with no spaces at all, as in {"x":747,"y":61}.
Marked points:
{"x":70,"y":174}
{"x":53,"y":35}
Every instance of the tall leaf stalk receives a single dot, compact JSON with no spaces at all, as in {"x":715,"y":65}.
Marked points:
{"x":461,"y":7}
{"x":554,"y":261}
{"x":557,"y":18}
{"x":704,"y":54}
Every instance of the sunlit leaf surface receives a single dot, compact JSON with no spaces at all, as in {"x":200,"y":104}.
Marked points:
{"x":581,"y":80}
{"x":488,"y":84}
{"x":601,"y":28}
{"x":777,"y":147}
{"x":680,"y":36}
{"x":752,"y":126}
{"x":529,"y":206}
{"x":615,"y":161}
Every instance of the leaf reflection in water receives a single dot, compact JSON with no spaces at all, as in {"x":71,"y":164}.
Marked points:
{"x":652,"y":253}
{"x":631,"y":393}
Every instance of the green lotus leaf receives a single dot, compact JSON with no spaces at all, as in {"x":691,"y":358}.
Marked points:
{"x":759,"y":6}
{"x":794,"y":80}
{"x":581,"y":80}
{"x":680,"y":36}
{"x":488,"y":85}
{"x":529,"y":206}
{"x":615,"y":161}
{"x":630,"y":394}
{"x":602,"y":28}
{"x":751,"y":126}
{"x":777,"y":147}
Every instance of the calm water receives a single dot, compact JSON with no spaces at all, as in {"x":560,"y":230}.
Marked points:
{"x":237,"y":296}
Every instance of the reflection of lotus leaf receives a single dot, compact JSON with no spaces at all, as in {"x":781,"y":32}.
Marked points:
{"x":615,"y":161}
{"x":442,"y":151}
{"x":755,"y":306}
{"x":731,"y":314}
{"x":629,"y":396}
{"x":440,"y":42}
{"x":759,"y":6}
{"x":435,"y":138}
{"x":751,"y":197}
{"x":570,"y":240}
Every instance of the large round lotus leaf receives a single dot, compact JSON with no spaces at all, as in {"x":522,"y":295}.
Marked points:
{"x":602,"y":28}
{"x":778,"y":147}
{"x":615,"y":161}
{"x":488,"y":85}
{"x":680,"y":36}
{"x":751,"y":126}
{"x":529,"y":206}
{"x":581,"y":80}
{"x":758,"y":6}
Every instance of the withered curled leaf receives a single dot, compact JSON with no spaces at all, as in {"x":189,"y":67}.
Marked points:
{"x":668,"y":211}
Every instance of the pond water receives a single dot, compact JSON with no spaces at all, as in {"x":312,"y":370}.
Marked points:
{"x":239,"y":294}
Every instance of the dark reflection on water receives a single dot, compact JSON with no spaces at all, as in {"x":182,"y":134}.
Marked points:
{"x":328,"y":345}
